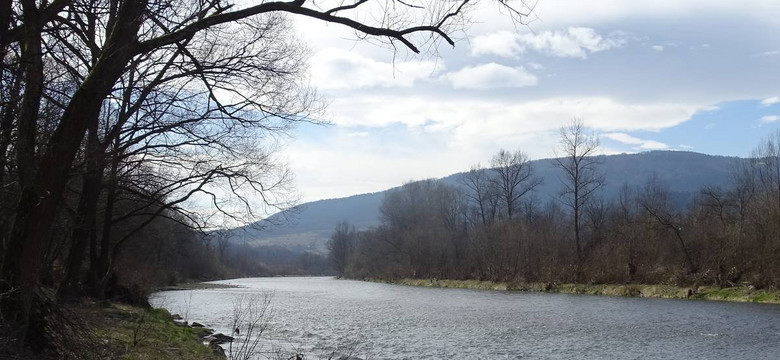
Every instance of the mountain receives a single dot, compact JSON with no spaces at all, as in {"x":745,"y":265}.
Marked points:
{"x":684,"y":172}
{"x":310,"y":226}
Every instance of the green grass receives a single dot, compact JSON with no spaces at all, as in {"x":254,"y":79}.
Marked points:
{"x":737,"y":294}
{"x":741,"y":294}
{"x":134,"y":333}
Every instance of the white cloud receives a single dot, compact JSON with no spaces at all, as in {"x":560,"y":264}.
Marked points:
{"x":769,"y":53}
{"x":624,"y":138}
{"x":770,"y":101}
{"x":488,"y":117}
{"x":501,"y":43}
{"x":340,"y":69}
{"x":358,"y":134}
{"x":575,"y":42}
{"x":687,"y":147}
{"x":768,"y":119}
{"x":657,"y":47}
{"x":491,"y":75}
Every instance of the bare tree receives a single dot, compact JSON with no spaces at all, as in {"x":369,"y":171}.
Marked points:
{"x":480,"y":193}
{"x":341,"y":245}
{"x":158,"y":148}
{"x":514,"y":178}
{"x":625,"y":226}
{"x":765,"y":171}
{"x":758,"y":196}
{"x":223,"y":242}
{"x":726,"y":237}
{"x":251,"y":318}
{"x":582,"y":177}
{"x":424,"y":216}
{"x":656,"y":201}
{"x":114,"y":35}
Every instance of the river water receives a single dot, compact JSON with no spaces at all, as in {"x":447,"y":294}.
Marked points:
{"x":321,"y":315}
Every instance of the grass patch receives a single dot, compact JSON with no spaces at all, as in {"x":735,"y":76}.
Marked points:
{"x":134,"y":333}
{"x":456,"y":284}
{"x":742,"y":294}
{"x":197,"y":286}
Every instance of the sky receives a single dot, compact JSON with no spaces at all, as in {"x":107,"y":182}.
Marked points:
{"x":691,"y":75}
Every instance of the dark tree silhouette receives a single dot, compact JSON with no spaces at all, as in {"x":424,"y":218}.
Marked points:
{"x":581,"y":174}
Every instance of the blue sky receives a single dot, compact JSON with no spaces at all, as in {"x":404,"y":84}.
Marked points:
{"x":733,"y":129}
{"x":691,"y":75}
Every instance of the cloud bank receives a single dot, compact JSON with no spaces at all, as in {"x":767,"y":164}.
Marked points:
{"x":573,"y":42}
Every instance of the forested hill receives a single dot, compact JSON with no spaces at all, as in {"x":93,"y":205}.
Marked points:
{"x":684,"y":172}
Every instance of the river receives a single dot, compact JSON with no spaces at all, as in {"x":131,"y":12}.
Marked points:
{"x":322,"y":315}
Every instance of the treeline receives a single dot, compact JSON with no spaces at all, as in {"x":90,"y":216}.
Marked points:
{"x":140,"y":253}
{"x":167,"y":254}
{"x":272,"y":260}
{"x":491,"y":228}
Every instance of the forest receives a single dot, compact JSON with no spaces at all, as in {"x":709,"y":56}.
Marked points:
{"x":490,"y":226}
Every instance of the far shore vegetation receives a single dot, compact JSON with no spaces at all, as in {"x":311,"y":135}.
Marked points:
{"x":490,"y":231}
{"x":735,"y":294}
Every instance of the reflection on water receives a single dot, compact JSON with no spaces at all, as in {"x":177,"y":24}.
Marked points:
{"x":323,"y":315}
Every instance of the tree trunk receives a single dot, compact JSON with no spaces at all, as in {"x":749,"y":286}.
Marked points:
{"x":577,"y":205}
{"x":691,"y":265}
{"x":86,"y":217}
{"x":41,"y":197}
{"x":100,"y":267}
{"x":21,"y":255}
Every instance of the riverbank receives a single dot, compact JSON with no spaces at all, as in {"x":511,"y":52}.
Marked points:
{"x":195,"y":286}
{"x":119,"y":331}
{"x":735,"y":294}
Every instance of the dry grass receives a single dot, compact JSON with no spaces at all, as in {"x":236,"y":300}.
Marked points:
{"x":737,"y":294}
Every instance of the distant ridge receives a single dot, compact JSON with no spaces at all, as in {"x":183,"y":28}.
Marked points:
{"x":685,"y":172}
